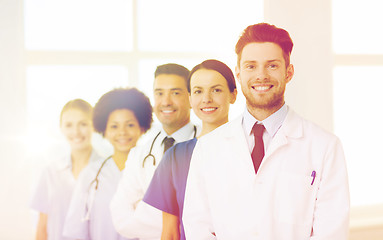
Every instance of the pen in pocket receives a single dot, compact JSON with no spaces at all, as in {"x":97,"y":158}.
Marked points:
{"x":313,"y":175}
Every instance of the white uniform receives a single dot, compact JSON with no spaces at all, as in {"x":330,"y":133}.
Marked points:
{"x":88,"y":215}
{"x":300,"y":192}
{"x":53,"y":194}
{"x":131,"y":216}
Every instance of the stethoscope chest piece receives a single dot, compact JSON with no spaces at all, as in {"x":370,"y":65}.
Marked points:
{"x":149,"y":157}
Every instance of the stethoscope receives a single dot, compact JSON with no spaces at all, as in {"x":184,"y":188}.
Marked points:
{"x":150,"y":155}
{"x":91,"y":194}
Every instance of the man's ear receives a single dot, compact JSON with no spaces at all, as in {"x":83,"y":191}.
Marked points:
{"x":190,"y":101}
{"x":289,"y":73}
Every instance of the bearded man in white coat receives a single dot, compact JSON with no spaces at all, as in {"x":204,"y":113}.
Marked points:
{"x":297,"y":190}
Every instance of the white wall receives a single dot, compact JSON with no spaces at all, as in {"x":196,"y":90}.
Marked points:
{"x":309,"y":25}
{"x":15,"y":221}
{"x":12,"y":84}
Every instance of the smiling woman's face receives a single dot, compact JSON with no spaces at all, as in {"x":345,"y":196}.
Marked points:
{"x":210,"y":96}
{"x":122,"y":130}
{"x":77,"y":128}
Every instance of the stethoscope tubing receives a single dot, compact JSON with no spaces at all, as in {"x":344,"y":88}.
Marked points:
{"x":95,"y":180}
{"x":151,"y":148}
{"x":90,"y":197}
{"x":150,"y":152}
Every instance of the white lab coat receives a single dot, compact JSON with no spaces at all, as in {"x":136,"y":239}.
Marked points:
{"x":132,"y":217}
{"x":54,"y":192}
{"x":88,"y":216}
{"x":224,"y":196}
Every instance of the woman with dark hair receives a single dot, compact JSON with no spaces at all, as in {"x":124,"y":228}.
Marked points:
{"x":212,"y":89}
{"x":121,"y":116}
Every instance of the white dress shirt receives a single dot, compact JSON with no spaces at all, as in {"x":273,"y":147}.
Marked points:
{"x":271,"y":124}
{"x":132,"y":217}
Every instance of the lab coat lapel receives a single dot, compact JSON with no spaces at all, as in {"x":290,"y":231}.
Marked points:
{"x":291,"y":128}
{"x":236,"y":140}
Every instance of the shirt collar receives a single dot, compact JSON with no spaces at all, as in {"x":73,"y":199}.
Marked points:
{"x":66,"y":162}
{"x":272,"y":123}
{"x":183,"y":134}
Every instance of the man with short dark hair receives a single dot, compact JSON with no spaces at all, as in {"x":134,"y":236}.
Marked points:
{"x":132,"y":217}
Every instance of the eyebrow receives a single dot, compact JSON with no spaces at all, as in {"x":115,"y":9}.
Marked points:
{"x":129,"y":120}
{"x":217,"y":85}
{"x":269,"y":61}
{"x":172,"y":89}
{"x":275,"y":60}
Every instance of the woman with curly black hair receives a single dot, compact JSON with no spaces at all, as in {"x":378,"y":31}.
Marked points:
{"x":121,"y":116}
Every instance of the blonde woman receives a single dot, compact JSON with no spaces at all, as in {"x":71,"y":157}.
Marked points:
{"x":55,"y":186}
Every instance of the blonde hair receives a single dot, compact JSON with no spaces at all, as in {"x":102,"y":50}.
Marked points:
{"x":79,"y":104}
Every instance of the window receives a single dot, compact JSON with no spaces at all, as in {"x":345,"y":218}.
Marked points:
{"x":71,"y":25}
{"x":358,"y":80}
{"x":50,"y":87}
{"x":82,"y":49}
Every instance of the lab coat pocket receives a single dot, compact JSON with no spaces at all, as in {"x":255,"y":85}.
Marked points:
{"x":296,"y":199}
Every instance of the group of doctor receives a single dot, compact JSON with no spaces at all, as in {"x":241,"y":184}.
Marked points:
{"x":269,"y":174}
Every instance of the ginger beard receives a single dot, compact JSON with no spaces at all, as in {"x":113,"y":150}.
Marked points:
{"x":263,"y":76}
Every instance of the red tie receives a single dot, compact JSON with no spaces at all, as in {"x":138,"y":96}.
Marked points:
{"x":258,"y":150}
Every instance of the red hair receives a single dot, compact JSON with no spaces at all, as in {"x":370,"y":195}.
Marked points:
{"x":264,"y":32}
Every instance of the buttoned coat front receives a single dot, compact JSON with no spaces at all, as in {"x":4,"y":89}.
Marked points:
{"x":300,"y":192}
